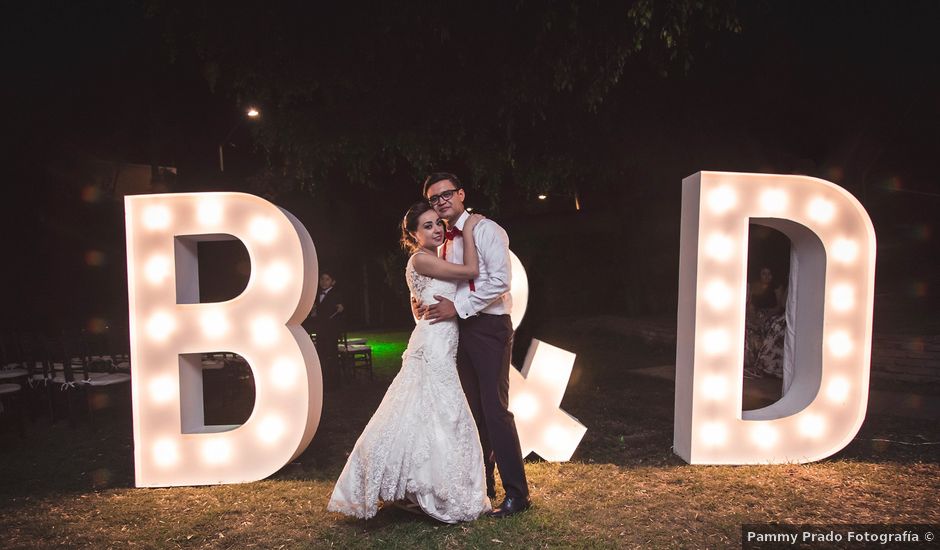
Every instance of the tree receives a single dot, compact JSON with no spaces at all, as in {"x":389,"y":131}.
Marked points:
{"x":377,"y":94}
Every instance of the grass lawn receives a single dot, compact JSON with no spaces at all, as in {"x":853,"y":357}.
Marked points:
{"x":66,"y":486}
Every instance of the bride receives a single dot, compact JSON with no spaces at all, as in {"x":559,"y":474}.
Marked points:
{"x":422,"y":445}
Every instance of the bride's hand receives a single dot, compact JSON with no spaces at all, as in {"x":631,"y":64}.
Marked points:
{"x":471,"y":223}
{"x":418,"y":309}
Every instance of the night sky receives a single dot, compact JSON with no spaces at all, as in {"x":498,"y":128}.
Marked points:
{"x":847,"y":91}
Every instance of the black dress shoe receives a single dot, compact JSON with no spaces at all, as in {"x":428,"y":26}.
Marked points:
{"x":510,"y":506}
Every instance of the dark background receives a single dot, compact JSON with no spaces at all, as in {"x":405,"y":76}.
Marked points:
{"x":607,"y":103}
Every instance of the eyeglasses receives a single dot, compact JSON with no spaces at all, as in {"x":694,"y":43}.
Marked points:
{"x":433,"y":200}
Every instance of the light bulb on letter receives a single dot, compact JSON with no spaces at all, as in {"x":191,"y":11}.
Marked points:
{"x":157,"y":217}
{"x":844,"y":250}
{"x":216,"y":451}
{"x":214,"y":324}
{"x":715,"y":341}
{"x":722,"y":199}
{"x":165,"y":453}
{"x":162,"y":389}
{"x":843,"y":297}
{"x":276,"y":276}
{"x":719,"y":247}
{"x":838,"y":389}
{"x":271,"y":429}
{"x":524,"y":406}
{"x":210,"y":212}
{"x":264,"y":331}
{"x":821,"y":210}
{"x":283,"y":374}
{"x":555,"y":436}
{"x":263,"y":229}
{"x":157,"y":269}
{"x":764,"y":436}
{"x":812,"y":425}
{"x":160,"y":326}
{"x":718,"y":295}
{"x":840,"y":344}
{"x":773,"y":200}
{"x":714,"y":387}
{"x":714,"y":433}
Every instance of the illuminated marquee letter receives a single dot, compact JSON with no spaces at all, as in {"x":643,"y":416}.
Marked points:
{"x":832,"y":264}
{"x":535,"y":394}
{"x":535,"y":398}
{"x":170,"y":330}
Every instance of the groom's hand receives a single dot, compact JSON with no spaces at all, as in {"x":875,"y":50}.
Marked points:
{"x":441,"y":311}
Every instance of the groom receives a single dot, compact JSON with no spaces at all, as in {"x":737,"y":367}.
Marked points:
{"x":483,"y":354}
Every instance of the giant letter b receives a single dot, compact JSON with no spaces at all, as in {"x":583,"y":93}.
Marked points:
{"x":832,"y":264}
{"x":170,"y":330}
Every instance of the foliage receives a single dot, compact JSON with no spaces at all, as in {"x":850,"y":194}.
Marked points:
{"x":504,"y":92}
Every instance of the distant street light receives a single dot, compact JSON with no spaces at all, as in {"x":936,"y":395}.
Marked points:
{"x":543,"y":197}
{"x":251,"y":113}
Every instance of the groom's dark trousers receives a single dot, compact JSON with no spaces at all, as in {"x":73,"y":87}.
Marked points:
{"x":483,"y":356}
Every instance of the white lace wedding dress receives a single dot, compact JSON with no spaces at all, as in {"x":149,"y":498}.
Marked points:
{"x":421,"y":444}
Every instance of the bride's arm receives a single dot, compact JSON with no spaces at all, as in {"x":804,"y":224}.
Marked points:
{"x":432,"y":266}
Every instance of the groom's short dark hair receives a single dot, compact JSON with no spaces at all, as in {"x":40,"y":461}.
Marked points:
{"x":439,"y":176}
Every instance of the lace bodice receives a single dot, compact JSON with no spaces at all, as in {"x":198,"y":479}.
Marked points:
{"x":438,"y":341}
{"x":425,"y":288}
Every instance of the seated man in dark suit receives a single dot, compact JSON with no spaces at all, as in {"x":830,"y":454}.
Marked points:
{"x":327,"y":322}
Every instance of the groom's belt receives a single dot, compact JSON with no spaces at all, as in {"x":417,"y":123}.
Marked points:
{"x":482,"y":314}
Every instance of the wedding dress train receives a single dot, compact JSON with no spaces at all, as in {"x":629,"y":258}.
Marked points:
{"x":421,"y":444}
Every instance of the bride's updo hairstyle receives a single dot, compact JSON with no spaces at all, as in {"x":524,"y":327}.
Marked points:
{"x":410,"y":224}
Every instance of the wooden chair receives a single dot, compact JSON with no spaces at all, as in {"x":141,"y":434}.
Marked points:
{"x":11,"y":404}
{"x":62,"y":368}
{"x":28,"y":351}
{"x":117,"y":340}
{"x":74,"y":370}
{"x":12,"y":379}
{"x":102,"y":381}
{"x":355,"y":355}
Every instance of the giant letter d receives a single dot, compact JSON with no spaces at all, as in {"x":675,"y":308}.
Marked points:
{"x":829,"y":341}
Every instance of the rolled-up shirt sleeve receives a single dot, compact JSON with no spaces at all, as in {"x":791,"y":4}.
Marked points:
{"x":495,"y":269}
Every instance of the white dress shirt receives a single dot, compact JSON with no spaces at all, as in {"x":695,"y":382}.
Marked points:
{"x":491,"y":287}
